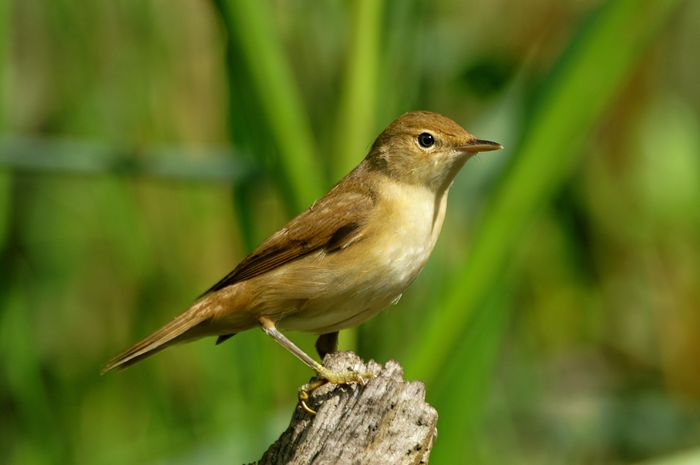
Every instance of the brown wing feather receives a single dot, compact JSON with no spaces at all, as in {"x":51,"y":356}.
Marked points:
{"x":332,"y":223}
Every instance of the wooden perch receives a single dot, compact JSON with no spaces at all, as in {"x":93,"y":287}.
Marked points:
{"x":386,"y":421}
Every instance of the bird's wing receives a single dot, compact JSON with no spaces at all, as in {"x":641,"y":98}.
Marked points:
{"x":331,"y":224}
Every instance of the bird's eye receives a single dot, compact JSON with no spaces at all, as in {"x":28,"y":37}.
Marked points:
{"x":426,"y":140}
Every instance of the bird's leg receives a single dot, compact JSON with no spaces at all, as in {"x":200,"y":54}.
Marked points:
{"x":325,"y":375}
{"x":323,"y":372}
{"x":327,"y":344}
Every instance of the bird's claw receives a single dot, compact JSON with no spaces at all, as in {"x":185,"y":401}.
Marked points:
{"x":327,"y":376}
{"x":306,"y":390}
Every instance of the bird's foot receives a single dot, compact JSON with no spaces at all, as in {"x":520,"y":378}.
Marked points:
{"x":328,"y":376}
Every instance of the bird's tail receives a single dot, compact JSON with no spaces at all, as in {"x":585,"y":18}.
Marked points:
{"x":184,"y":327}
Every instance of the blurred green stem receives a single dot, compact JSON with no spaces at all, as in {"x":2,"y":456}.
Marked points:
{"x":89,"y":157}
{"x":4,"y":105}
{"x":689,"y":457}
{"x":460,"y":395}
{"x":358,"y":105}
{"x":583,"y":85}
{"x":250,"y":23}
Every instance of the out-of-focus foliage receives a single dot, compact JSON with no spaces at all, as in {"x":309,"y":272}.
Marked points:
{"x":557,"y":321}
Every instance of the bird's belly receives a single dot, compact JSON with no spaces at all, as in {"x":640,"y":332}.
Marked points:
{"x":381,"y":275}
{"x":342,"y":308}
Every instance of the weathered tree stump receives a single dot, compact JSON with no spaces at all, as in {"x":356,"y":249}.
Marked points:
{"x":386,"y":421}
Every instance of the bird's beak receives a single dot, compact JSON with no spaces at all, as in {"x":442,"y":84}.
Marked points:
{"x":480,"y":145}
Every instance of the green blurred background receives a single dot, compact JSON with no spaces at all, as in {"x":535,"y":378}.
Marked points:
{"x":147,"y":146}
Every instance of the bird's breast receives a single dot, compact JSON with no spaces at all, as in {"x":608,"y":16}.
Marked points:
{"x":412,"y":218}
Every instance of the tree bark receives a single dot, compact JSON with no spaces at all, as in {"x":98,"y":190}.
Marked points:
{"x":386,"y":421}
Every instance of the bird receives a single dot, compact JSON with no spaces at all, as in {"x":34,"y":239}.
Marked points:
{"x":352,"y":253}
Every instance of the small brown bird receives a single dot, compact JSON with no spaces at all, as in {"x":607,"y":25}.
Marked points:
{"x":351,"y":254}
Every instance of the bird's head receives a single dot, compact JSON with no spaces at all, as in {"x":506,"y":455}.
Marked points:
{"x":425,"y":148}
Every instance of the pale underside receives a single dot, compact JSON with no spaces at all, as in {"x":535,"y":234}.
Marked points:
{"x":327,"y":291}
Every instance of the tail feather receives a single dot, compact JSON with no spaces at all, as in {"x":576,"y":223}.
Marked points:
{"x":181,"y":328}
